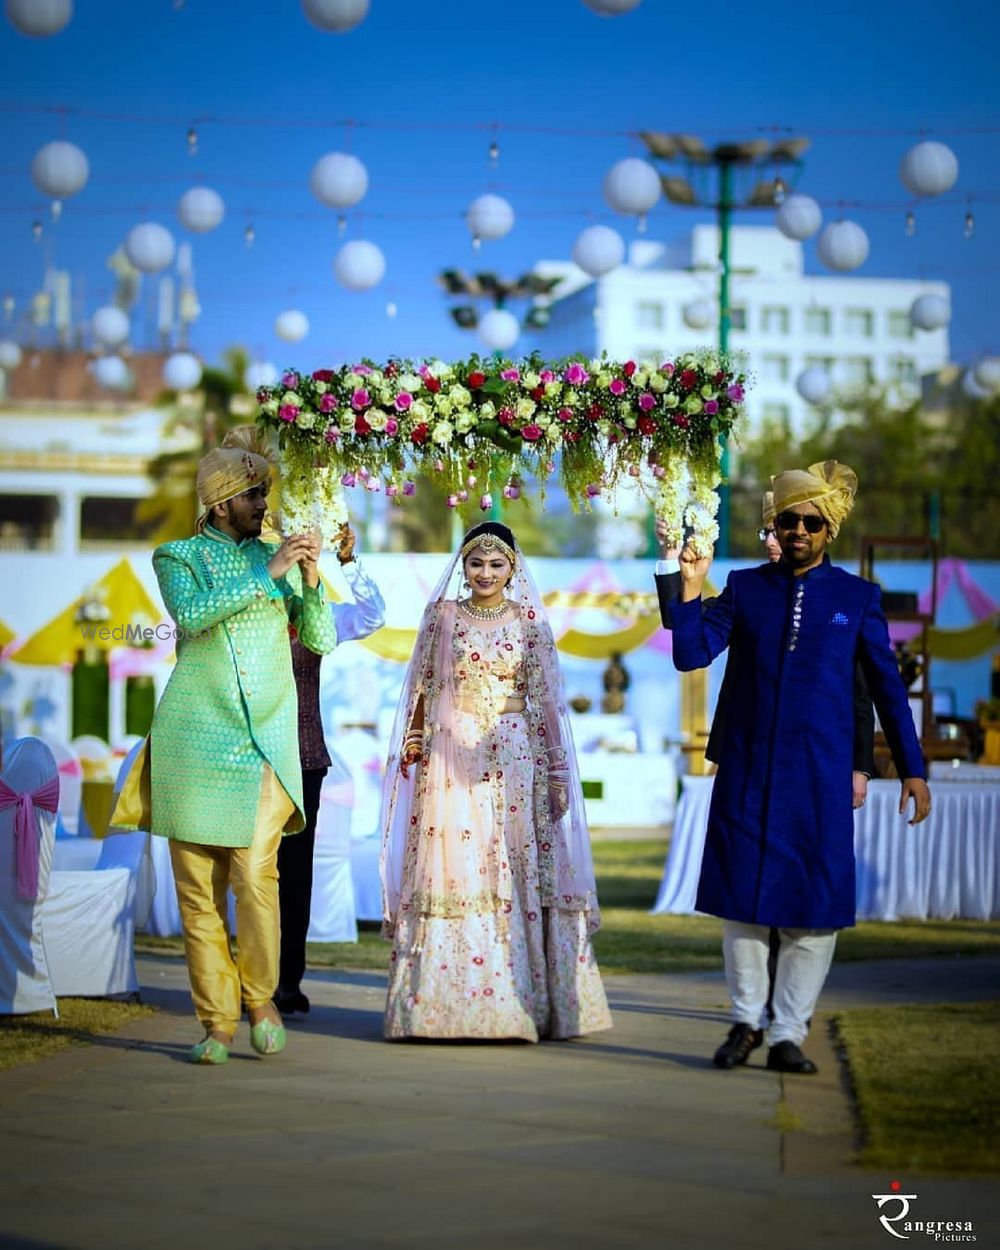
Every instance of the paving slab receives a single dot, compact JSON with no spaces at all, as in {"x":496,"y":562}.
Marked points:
{"x":628,"y":1138}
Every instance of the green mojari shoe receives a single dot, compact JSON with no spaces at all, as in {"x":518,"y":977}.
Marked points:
{"x":211,"y":1050}
{"x":268,"y":1038}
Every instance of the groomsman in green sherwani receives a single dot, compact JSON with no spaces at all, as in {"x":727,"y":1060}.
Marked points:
{"x":220,"y":772}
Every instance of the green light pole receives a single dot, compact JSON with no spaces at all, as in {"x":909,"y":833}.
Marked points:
{"x":725,"y":211}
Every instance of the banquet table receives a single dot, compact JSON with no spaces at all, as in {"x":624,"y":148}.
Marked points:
{"x":944,"y":868}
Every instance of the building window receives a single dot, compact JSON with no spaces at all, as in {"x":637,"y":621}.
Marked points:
{"x":28,"y":522}
{"x":649,"y":315}
{"x":903,"y":370}
{"x":819,"y":362}
{"x":817,"y":321}
{"x":857,"y":371}
{"x":738,"y":318}
{"x":652,"y":355}
{"x":859,"y":322}
{"x":899,"y":325}
{"x":774,"y":368}
{"x":774,"y":320}
{"x":110,"y":520}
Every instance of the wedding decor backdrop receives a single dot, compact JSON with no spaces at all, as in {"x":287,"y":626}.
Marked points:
{"x":486,"y":425}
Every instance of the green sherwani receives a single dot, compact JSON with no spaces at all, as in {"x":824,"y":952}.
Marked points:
{"x":230,"y":704}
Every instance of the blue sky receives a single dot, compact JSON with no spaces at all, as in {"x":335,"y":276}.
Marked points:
{"x":424,"y":81}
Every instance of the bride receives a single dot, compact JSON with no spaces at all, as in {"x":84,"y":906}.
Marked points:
{"x":488,"y":884}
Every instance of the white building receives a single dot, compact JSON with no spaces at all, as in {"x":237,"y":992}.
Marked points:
{"x":856,"y":328}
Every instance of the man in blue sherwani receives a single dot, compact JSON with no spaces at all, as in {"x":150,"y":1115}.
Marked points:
{"x":780,"y":845}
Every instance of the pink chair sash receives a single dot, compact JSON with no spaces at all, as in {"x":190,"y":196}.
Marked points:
{"x":25,"y":835}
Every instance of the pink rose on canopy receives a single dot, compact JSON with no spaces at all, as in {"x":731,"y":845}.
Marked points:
{"x":402,"y":401}
{"x":392,"y":490}
{"x":666,"y":367}
{"x":348,"y":480}
{"x":290,"y":379}
{"x":374,"y":485}
{"x":288,"y":412}
{"x":360,"y":399}
{"x":363,"y":473}
{"x":547,"y":375}
{"x":711,"y":407}
{"x":735,"y":393}
{"x":532,"y":433}
{"x":463,"y":495}
{"x":647,"y":401}
{"x":409,"y":488}
{"x":392,"y":426}
{"x":327,"y":402}
{"x":565,"y":414}
{"x":593,"y":490}
{"x":617,"y":386}
{"x":511,"y":375}
{"x":512,"y":491}
{"x":362,"y":369}
{"x":576,"y":374}
{"x":332,"y":435}
{"x":486,"y":502}
{"x":452,"y":501}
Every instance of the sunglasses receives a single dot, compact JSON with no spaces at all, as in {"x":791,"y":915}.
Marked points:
{"x":790,"y":521}
{"x":765,"y":532}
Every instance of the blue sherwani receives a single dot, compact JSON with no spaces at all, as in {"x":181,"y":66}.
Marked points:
{"x":780,"y":844}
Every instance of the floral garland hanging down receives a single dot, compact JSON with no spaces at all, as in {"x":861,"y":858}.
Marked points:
{"x":485,"y":422}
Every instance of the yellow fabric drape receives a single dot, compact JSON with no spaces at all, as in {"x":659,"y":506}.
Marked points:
{"x":6,"y":634}
{"x":966,"y":643}
{"x":58,"y":641}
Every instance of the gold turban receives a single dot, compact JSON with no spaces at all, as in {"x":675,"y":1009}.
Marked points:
{"x":226,"y":472}
{"x":767,"y":507}
{"x":249,"y":438}
{"x":829,"y":485}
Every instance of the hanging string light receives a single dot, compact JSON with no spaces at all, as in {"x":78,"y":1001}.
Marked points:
{"x":780,"y":190}
{"x":36,"y":230}
{"x":970,"y":225}
{"x":910,"y":223}
{"x":341,"y":224}
{"x":391,"y":309}
{"x":477,"y":243}
{"x":249,"y":234}
{"x":494,"y":153}
{"x":192,"y":141}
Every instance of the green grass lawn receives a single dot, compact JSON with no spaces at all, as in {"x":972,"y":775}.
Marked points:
{"x":40,"y":1034}
{"x":927,"y":1085}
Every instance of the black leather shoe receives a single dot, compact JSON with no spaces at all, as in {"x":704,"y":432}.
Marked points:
{"x":288,"y":1002}
{"x":736,"y":1048}
{"x":786,"y":1057}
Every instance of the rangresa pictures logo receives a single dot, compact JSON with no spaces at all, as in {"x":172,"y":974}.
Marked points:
{"x":895,"y":1218}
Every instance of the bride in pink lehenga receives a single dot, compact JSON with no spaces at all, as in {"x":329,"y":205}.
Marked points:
{"x":488,"y":884}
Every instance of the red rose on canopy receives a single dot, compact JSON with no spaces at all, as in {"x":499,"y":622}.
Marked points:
{"x":681,"y":420}
{"x":595,"y":412}
{"x":537,"y":393}
{"x":361,"y":426}
{"x":628,"y":368}
{"x":647,"y":425}
{"x":432,"y":384}
{"x":689,"y":379}
{"x":323,"y":375}
{"x":476,"y":380}
{"x":419,"y":434}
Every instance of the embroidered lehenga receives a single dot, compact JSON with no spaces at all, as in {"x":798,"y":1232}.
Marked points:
{"x":488,"y":884}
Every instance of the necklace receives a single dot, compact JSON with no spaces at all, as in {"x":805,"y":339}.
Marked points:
{"x":485,"y":614}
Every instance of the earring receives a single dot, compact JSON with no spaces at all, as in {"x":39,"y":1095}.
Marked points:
{"x":465,"y":585}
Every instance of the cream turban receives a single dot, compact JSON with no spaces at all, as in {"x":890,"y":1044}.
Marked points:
{"x":249,"y":438}
{"x":828,"y":485}
{"x":226,"y":472}
{"x":767,"y":507}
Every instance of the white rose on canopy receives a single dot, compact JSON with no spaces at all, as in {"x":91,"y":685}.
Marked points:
{"x":799,"y":217}
{"x":843,"y":246}
{"x":699,"y":314}
{"x":260,"y":373}
{"x":111,"y":372}
{"x":489,"y":217}
{"x":499,"y":329}
{"x":60,"y":169}
{"x":182,"y":371}
{"x":291,"y":325}
{"x":930,"y":312}
{"x":928,"y":169}
{"x":987,"y":373}
{"x":335,"y":16}
{"x":814,"y":385}
{"x":201,"y":209}
{"x":150,"y":247}
{"x":10,"y":354}
{"x":631,"y":186}
{"x":39,"y":18}
{"x":110,"y":326}
{"x":359,"y":265}
{"x":598,"y":250}
{"x":339,"y":180}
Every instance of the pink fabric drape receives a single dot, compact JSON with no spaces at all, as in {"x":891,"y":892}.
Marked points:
{"x":25,"y":832}
{"x":951,"y":570}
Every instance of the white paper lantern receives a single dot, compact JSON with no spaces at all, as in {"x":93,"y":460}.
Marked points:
{"x":339,"y":180}
{"x":499,"y":329}
{"x":928,"y":169}
{"x":181,"y":371}
{"x":843,"y":245}
{"x":611,"y":8}
{"x":972,"y":387}
{"x":291,"y":325}
{"x":111,"y":372}
{"x":598,"y":249}
{"x":201,"y":209}
{"x":60,"y":169}
{"x":10,"y":354}
{"x":359,"y":265}
{"x":39,"y":18}
{"x":489,"y":217}
{"x":260,"y":373}
{"x":799,"y":217}
{"x":987,"y":373}
{"x":631,"y":186}
{"x":699,"y":314}
{"x":110,"y":326}
{"x":150,"y":247}
{"x":930,"y":312}
{"x":336,"y":16}
{"x":814,"y":385}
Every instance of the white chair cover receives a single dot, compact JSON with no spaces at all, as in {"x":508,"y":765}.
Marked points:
{"x":70,"y":783}
{"x":331,"y":915}
{"x":131,"y":850}
{"x":25,"y":983}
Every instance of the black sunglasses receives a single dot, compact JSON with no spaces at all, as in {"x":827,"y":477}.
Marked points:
{"x":790,"y":521}
{"x":765,"y":532}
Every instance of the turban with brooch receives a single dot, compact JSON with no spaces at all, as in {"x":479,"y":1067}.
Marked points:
{"x":226,"y":472}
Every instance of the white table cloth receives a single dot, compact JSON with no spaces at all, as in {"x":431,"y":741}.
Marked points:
{"x":963,"y":770}
{"x":946,"y":867}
